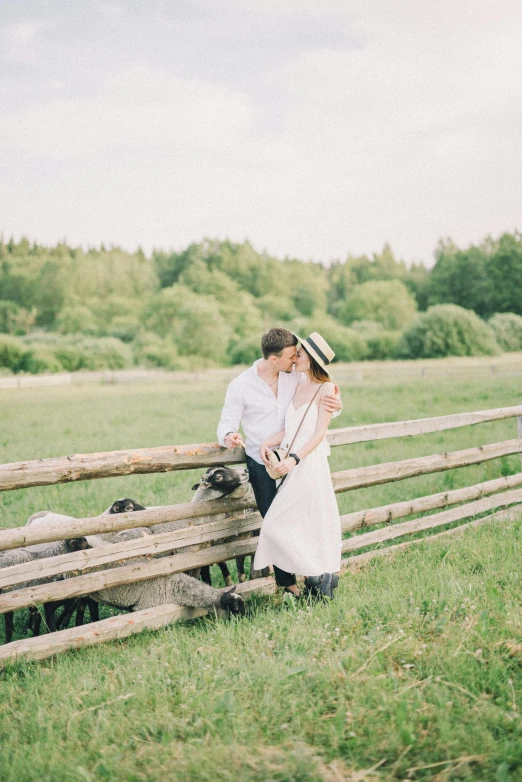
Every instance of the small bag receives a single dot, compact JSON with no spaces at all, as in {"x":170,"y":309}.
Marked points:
{"x":278,"y":454}
{"x":275,"y":457}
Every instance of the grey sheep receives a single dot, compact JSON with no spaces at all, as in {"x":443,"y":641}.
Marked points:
{"x":217,"y":483}
{"x":18,"y":556}
{"x":179,"y":588}
{"x":21,"y":555}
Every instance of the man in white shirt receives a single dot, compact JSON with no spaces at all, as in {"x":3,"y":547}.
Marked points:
{"x":258,"y":399}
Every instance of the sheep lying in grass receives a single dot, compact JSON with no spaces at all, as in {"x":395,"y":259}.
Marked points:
{"x":21,"y":555}
{"x":179,"y":588}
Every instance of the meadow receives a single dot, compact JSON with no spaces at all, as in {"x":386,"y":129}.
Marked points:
{"x":414,"y":671}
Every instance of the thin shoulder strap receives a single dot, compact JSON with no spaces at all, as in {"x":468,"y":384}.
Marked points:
{"x":302,"y":419}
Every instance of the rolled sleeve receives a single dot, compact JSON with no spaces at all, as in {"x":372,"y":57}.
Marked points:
{"x":231,"y":413}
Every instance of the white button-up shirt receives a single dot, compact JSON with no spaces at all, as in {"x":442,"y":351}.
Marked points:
{"x":250,"y":401}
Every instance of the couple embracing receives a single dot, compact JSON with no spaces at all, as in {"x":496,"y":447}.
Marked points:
{"x":286,"y":401}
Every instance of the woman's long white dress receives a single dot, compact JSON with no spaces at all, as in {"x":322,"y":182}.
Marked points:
{"x":301,"y":533}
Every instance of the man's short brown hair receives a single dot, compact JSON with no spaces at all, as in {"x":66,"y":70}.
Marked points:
{"x":275,"y":341}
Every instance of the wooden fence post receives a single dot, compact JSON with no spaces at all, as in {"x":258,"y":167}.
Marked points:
{"x":519,"y":430}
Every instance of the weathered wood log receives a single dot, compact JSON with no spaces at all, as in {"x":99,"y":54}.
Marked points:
{"x":98,"y":525}
{"x":116,"y":627}
{"x":384,"y":431}
{"x":149,"y":546}
{"x":81,"y":561}
{"x":78,"y":467}
{"x":430,"y":522}
{"x":519,"y":431}
{"x":86,"y":466}
{"x":141,"y":571}
{"x":387,"y":472}
{"x":387,"y":513}
{"x":357,"y":561}
{"x":342,"y":481}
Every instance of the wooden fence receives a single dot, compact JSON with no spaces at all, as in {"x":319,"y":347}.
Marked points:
{"x":493,"y":500}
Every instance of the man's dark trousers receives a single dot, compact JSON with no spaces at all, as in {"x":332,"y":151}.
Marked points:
{"x":265,"y":489}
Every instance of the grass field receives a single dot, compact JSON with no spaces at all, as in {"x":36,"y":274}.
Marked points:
{"x":417,"y":663}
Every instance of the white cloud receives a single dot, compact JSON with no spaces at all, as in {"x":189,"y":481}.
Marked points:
{"x":139,"y":109}
{"x":409,"y":133}
{"x":21,"y":43}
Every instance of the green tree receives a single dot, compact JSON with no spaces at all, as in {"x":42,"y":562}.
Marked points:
{"x":388,"y":302}
{"x":508,"y":330}
{"x":461,"y":277}
{"x":193,"y":321}
{"x":76,"y":319}
{"x":12,"y":352}
{"x":504,"y":269}
{"x":448,"y":330}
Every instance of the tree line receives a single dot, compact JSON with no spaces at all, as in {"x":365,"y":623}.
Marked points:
{"x":66,"y":308}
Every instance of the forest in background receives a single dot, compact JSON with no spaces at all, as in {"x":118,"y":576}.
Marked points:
{"x":66,"y":309}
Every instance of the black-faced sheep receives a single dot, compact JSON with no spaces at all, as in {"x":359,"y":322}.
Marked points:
{"x":216,"y":483}
{"x":219,"y":482}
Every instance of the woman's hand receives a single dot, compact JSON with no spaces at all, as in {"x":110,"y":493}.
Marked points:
{"x":264,"y":450}
{"x":286,"y":466}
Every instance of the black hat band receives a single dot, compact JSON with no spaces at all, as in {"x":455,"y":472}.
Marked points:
{"x":317,"y":350}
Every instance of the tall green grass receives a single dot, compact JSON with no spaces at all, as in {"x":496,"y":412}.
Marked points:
{"x":415,"y":662}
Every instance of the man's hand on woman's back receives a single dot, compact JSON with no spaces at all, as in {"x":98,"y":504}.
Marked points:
{"x":332,"y":402}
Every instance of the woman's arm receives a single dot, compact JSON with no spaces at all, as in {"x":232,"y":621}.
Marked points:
{"x":266,"y":445}
{"x":321,"y":427}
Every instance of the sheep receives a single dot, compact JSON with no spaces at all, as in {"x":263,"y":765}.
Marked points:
{"x":221,"y":482}
{"x":21,"y":555}
{"x":54,"y":549}
{"x":217,"y":482}
{"x":18,"y":556}
{"x":179,"y":588}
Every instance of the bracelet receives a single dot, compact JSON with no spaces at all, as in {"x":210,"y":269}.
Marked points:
{"x":296,"y":457}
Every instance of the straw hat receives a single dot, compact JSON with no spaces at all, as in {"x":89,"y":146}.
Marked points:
{"x":318,"y":348}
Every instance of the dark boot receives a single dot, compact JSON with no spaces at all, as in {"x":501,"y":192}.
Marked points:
{"x":321,"y":586}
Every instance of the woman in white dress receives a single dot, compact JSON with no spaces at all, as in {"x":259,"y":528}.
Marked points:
{"x":301,"y":532}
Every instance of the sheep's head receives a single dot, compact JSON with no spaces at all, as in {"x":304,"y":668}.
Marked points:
{"x":223,"y":479}
{"x":125,"y":505}
{"x":77,"y":544}
{"x":232,"y":603}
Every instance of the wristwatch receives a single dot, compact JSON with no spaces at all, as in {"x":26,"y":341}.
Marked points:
{"x":296,"y":457}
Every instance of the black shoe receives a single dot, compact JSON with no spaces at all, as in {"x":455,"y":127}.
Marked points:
{"x":322,"y":586}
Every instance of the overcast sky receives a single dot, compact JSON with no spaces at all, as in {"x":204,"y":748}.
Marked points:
{"x":314,"y":128}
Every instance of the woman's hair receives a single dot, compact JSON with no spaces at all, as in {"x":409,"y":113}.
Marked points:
{"x":317,"y":372}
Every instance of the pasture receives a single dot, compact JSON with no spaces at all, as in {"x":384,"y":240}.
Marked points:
{"x":413,"y":671}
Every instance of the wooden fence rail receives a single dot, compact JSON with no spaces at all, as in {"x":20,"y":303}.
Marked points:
{"x":178,"y":563}
{"x":98,"y":525}
{"x":201,"y":544}
{"x":168,"y":542}
{"x":82,"y":467}
{"x":345,"y":480}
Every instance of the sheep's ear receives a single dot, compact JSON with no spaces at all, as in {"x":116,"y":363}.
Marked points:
{"x":196,"y":486}
{"x":232,"y":589}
